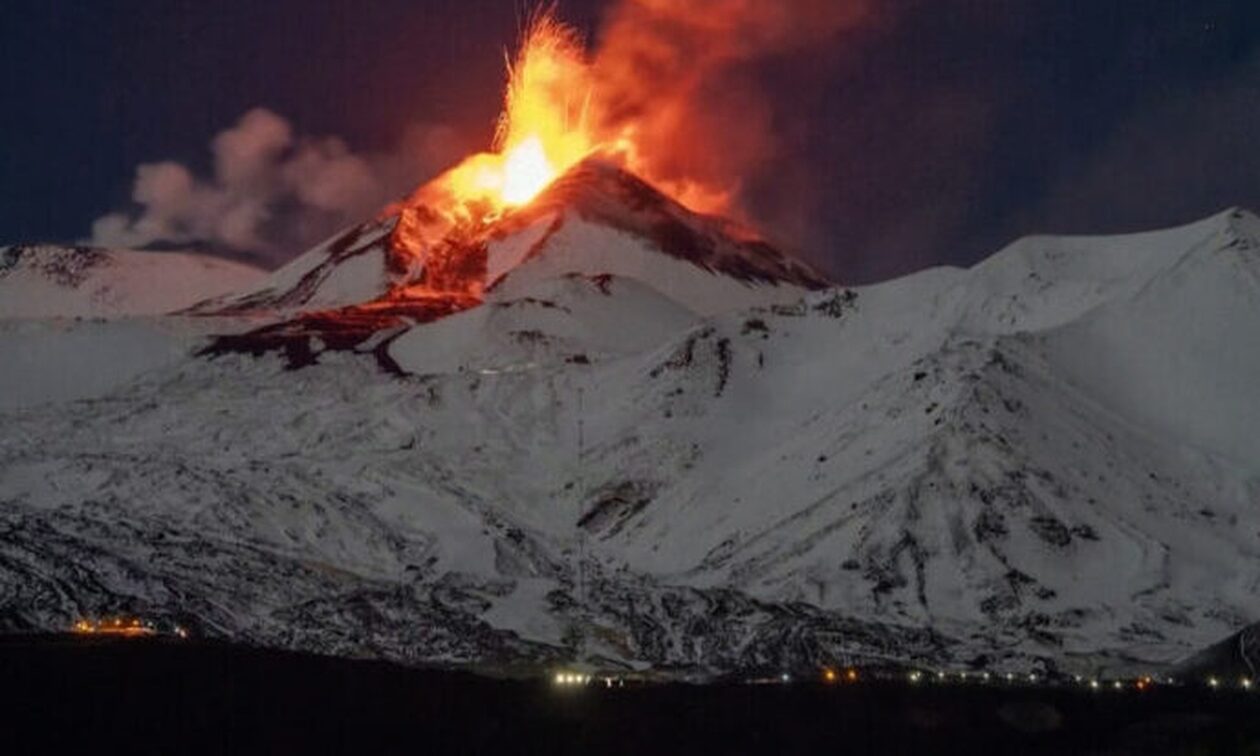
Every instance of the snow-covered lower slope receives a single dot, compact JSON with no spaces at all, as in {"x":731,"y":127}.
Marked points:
{"x":1042,"y":461}
{"x":571,"y":318}
{"x":63,"y":282}
{"x":62,"y":360}
{"x":1233,"y":662}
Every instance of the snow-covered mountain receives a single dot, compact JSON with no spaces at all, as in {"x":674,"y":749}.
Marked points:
{"x":643,"y":439}
{"x":1234,"y":661}
{"x":42,"y":281}
{"x":595,"y":220}
{"x":79,"y":321}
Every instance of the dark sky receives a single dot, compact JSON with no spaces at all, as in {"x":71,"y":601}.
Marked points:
{"x":933,"y":135}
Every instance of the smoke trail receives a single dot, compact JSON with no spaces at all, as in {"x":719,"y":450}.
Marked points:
{"x":272,"y":193}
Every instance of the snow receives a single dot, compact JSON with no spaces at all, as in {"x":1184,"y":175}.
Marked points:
{"x":51,"y":282}
{"x":579,"y":246}
{"x":1046,"y":459}
{"x":72,"y":360}
{"x":1173,"y":358}
{"x":556,"y":319}
{"x":349,"y":268}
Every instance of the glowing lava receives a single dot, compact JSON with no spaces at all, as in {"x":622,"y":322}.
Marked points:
{"x":526,"y":172}
{"x":544,"y":129}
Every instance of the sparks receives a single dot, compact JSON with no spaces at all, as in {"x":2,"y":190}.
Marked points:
{"x":544,"y":129}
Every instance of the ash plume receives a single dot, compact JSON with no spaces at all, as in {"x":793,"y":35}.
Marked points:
{"x":672,"y":85}
{"x":272,"y":193}
{"x":679,"y":77}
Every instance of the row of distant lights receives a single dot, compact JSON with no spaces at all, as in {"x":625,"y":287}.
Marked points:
{"x":1143,"y":683}
{"x":1245,"y":683}
{"x":577,"y":679}
{"x":125,"y":626}
{"x":917,"y":677}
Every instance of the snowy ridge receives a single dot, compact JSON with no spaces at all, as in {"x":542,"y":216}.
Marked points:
{"x":78,"y":322}
{"x":64,"y":282}
{"x":709,"y":263}
{"x":353,"y":266}
{"x":1042,"y":462}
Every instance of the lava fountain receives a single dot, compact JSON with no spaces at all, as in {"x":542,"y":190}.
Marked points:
{"x":546,"y":127}
{"x":644,"y":100}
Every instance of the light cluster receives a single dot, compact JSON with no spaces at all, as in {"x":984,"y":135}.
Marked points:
{"x":572,"y":679}
{"x":914,"y":677}
{"x":125,"y":627}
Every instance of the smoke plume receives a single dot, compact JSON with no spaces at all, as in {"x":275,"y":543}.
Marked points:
{"x":680,"y":78}
{"x":673,"y":84}
{"x":271,"y":193}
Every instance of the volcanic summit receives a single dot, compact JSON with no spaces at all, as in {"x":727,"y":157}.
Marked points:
{"x":412,"y":265}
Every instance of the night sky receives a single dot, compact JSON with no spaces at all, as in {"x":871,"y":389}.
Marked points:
{"x":934,"y":134}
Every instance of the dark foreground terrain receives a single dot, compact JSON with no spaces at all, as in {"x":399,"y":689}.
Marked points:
{"x":166,"y":696}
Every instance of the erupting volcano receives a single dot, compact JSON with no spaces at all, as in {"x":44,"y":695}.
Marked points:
{"x":560,"y":107}
{"x":545,"y":128}
{"x":563,"y":161}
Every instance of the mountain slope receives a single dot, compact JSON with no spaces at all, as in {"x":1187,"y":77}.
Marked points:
{"x":47,"y":281}
{"x":983,"y":468}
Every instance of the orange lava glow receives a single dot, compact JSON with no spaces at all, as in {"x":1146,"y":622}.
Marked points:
{"x":560,"y":107}
{"x":544,"y":129}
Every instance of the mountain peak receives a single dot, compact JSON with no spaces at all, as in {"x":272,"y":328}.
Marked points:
{"x":415,"y":264}
{"x":412,"y":250}
{"x":603,"y":193}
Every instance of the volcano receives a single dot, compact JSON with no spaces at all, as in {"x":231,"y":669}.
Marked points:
{"x":597,"y":220}
{"x":630,"y":435}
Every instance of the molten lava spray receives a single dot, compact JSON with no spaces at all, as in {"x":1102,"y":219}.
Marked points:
{"x":544,"y":128}
{"x":659,"y":95}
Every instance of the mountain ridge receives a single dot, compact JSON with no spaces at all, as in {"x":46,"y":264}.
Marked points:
{"x":1017,"y":466}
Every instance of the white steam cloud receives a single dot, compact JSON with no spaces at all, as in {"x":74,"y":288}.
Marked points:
{"x":272,"y":193}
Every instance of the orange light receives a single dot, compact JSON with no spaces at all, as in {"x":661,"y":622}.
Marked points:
{"x":829,"y":675}
{"x":851,"y":675}
{"x":544,"y":129}
{"x":129,"y":628}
